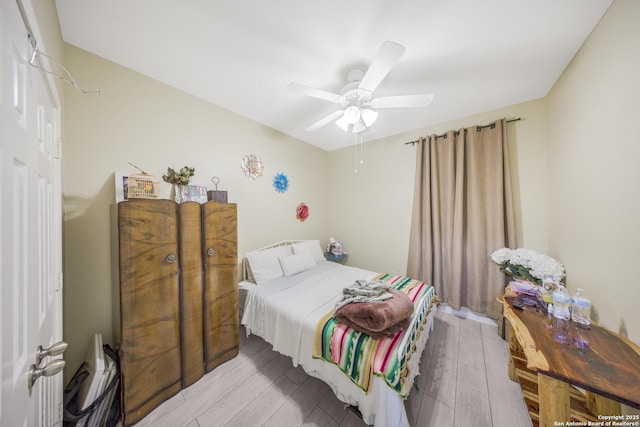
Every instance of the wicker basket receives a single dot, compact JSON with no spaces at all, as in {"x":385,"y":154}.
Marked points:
{"x":143,"y":186}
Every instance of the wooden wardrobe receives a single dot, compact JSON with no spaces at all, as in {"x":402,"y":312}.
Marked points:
{"x":178,"y":297}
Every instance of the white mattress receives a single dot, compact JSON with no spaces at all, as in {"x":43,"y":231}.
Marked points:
{"x":285,"y":312}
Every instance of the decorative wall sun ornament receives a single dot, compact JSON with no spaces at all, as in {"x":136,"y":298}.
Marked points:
{"x":280,"y":182}
{"x":251,"y":166}
{"x":302,"y":212}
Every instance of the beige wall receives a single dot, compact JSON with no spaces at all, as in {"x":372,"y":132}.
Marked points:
{"x":371,"y":210}
{"x":594,"y":200}
{"x":139,"y":120}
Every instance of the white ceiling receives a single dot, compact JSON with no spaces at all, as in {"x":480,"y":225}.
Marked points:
{"x":473,"y":55}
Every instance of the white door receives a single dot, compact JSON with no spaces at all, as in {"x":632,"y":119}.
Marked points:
{"x":30,"y":228}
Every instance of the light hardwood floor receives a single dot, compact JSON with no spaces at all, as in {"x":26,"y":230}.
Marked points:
{"x":463,"y":383}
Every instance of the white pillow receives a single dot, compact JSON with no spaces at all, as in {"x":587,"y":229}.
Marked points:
{"x":264,"y":264}
{"x":294,"y":264}
{"x":311,"y":247}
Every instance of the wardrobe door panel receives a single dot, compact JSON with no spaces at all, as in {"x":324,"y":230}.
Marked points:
{"x":190,"y":236}
{"x":150,"y":348}
{"x":221,"y":325}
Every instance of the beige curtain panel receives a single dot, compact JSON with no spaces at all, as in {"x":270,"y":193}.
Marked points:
{"x":462,"y":212}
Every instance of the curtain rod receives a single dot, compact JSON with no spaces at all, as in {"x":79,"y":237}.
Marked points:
{"x":515,"y":119}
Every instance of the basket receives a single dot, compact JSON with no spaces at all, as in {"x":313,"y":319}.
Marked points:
{"x":143,"y":186}
{"x":105,"y":409}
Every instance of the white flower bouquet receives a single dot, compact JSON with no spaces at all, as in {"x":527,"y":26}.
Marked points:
{"x":527,"y":264}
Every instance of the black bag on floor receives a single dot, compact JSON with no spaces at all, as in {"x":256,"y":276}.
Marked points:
{"x":104,"y":411}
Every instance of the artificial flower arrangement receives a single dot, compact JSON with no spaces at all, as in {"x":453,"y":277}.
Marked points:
{"x":529,"y":265}
{"x":181,"y":177}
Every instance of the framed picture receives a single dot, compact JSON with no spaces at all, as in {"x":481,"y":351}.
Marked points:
{"x":198,"y":193}
{"x":122,"y":186}
{"x":195,"y":193}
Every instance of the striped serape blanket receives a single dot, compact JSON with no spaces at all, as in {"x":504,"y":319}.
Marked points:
{"x":359,"y":356}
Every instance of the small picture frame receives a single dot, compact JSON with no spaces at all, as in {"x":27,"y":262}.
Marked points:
{"x":122,"y":186}
{"x":196,"y":193}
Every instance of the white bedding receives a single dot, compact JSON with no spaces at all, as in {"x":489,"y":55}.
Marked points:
{"x":285,"y":312}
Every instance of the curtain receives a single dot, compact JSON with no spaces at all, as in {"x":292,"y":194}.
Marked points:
{"x":462,"y":212}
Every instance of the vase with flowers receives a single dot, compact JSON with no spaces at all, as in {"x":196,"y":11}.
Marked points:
{"x":527,"y":265}
{"x":179,"y":179}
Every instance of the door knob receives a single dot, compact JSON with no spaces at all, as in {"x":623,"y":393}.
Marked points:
{"x":50,"y":369}
{"x":171,"y":259}
{"x":211,"y":251}
{"x":54,"y":350}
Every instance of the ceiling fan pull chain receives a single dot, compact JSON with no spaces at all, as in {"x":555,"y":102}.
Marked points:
{"x":355,"y":152}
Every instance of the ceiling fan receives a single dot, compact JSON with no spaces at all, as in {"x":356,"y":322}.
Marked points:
{"x":357,"y":106}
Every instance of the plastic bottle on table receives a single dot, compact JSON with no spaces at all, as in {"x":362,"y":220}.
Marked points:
{"x":561,"y":303}
{"x":580,"y":308}
{"x":549,"y":284}
{"x":550,"y":309}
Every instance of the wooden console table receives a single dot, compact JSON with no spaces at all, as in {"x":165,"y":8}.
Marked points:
{"x":548,"y":360}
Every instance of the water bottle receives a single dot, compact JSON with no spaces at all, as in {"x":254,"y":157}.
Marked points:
{"x":580,"y":308}
{"x":549,"y":284}
{"x":561,"y":303}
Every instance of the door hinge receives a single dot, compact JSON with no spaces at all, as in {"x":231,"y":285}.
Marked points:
{"x":59,"y":281}
{"x":58,"y":153}
{"x":59,"y":415}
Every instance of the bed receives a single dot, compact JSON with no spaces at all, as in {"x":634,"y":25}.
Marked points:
{"x":287,"y":296}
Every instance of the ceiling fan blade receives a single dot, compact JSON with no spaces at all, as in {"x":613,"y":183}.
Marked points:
{"x":316,"y":93}
{"x":388,"y":55}
{"x":331,"y":117}
{"x":402,"y":101}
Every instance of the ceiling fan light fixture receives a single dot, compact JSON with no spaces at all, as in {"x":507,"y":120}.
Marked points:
{"x":350,"y":117}
{"x":352,"y":114}
{"x":343,"y":123}
{"x":369,"y":117}
{"x":358,"y":127}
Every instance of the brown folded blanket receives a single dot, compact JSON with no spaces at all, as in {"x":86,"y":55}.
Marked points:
{"x":378,"y":318}
{"x":376,"y":335}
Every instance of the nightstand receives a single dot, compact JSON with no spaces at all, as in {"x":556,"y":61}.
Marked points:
{"x":340,"y":259}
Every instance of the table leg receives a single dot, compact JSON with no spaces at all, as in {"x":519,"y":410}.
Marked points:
{"x":514,"y":347}
{"x":554,"y":401}
{"x":600,"y":405}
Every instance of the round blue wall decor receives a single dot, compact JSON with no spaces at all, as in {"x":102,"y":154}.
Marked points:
{"x":280,"y":182}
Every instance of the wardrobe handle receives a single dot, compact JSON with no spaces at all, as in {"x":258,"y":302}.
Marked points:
{"x":211,"y":251}
{"x":171,"y":259}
